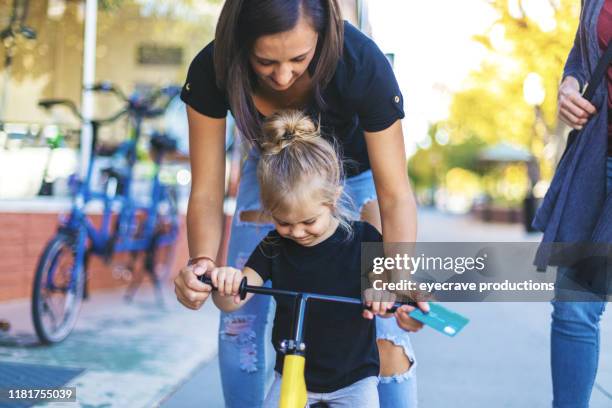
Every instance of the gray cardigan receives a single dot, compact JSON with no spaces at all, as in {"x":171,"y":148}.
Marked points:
{"x":575,"y":208}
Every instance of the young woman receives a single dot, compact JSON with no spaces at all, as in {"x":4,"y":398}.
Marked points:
{"x":267,"y":56}
{"x":578,"y":207}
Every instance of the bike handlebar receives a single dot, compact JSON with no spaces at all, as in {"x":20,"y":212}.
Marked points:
{"x":142,"y":107}
{"x":106,"y":87}
{"x":49,"y":103}
{"x":261,"y":290}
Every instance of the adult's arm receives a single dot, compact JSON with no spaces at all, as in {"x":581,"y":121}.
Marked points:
{"x":396,"y":200}
{"x":205,"y":207}
{"x":397,"y":204}
{"x":573,"y":65}
{"x":574,"y":110}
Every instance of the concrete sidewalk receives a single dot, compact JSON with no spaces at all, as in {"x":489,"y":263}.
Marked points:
{"x":202,"y":389}
{"x":134,"y":355}
{"x":502,"y":358}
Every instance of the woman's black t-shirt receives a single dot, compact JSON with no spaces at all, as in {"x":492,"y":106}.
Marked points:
{"x":340,"y":343}
{"x":363,"y":95}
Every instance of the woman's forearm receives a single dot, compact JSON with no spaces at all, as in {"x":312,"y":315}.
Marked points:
{"x":205,"y":208}
{"x":573,"y":65}
{"x":395,"y":198}
{"x":399,"y":222}
{"x":399,"y":218}
{"x":204,"y":226}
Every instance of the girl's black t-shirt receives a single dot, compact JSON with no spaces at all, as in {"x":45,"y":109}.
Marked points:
{"x":363,"y":95}
{"x":340,"y":344}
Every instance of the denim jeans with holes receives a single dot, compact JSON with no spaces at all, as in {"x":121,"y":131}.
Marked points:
{"x":246,"y":355}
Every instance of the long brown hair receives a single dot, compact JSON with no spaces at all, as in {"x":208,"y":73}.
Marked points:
{"x":243,"y":21}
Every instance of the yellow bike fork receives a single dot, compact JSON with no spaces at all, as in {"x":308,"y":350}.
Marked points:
{"x":293,"y":386}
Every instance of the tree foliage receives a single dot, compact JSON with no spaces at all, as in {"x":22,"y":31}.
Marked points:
{"x":527,"y":36}
{"x":491,"y":106}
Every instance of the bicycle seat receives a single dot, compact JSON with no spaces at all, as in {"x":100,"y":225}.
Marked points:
{"x":163,"y":143}
{"x":107,"y":150}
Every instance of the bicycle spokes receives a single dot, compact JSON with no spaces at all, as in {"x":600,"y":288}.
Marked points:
{"x":58,"y":290}
{"x":57,"y":296}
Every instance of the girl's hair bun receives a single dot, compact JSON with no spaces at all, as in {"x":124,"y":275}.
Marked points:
{"x":285,"y":128}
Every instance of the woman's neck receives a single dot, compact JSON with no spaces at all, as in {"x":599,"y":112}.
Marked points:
{"x":268,"y":100}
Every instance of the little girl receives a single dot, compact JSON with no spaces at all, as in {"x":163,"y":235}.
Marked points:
{"x":314,"y":248}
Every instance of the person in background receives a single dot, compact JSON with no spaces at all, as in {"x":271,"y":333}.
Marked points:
{"x":578,"y":211}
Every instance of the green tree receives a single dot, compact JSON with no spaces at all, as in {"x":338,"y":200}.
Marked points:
{"x":491,"y":106}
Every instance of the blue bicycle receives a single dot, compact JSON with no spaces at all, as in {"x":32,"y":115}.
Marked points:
{"x":127,"y":225}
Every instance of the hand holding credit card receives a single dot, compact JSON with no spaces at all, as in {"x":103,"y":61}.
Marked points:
{"x":441,"y":319}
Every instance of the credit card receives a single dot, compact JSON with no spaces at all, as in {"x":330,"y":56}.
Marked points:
{"x":441,"y":319}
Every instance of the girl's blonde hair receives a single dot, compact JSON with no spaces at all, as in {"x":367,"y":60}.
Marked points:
{"x":298,"y":164}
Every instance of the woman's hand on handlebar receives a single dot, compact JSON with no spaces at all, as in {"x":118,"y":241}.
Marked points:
{"x":190,"y":292}
{"x":227,"y":281}
{"x":404,"y":321}
{"x":574,"y":110}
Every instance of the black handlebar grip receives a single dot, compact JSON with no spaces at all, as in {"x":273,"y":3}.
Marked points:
{"x":153,"y":113}
{"x":104,"y":86}
{"x":395,"y":306}
{"x":205,"y":279}
{"x":392,"y":309}
{"x":242,"y":291}
{"x":47,"y":103}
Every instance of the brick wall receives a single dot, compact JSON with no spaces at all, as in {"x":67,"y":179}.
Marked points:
{"x":23,"y":237}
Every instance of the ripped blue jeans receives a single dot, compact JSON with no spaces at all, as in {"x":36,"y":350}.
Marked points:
{"x":246,"y":355}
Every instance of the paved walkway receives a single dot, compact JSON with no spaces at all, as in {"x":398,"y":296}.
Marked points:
{"x":501,"y":359}
{"x":134,"y":355}
{"x":140,"y":356}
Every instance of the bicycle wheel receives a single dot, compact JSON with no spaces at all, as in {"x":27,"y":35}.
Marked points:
{"x":159,"y":258}
{"x":58,"y":290}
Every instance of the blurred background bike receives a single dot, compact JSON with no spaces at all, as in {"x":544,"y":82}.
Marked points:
{"x":139,"y":222}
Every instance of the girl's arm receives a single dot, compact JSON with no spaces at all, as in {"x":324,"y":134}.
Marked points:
{"x":227,"y":281}
{"x":205,"y":208}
